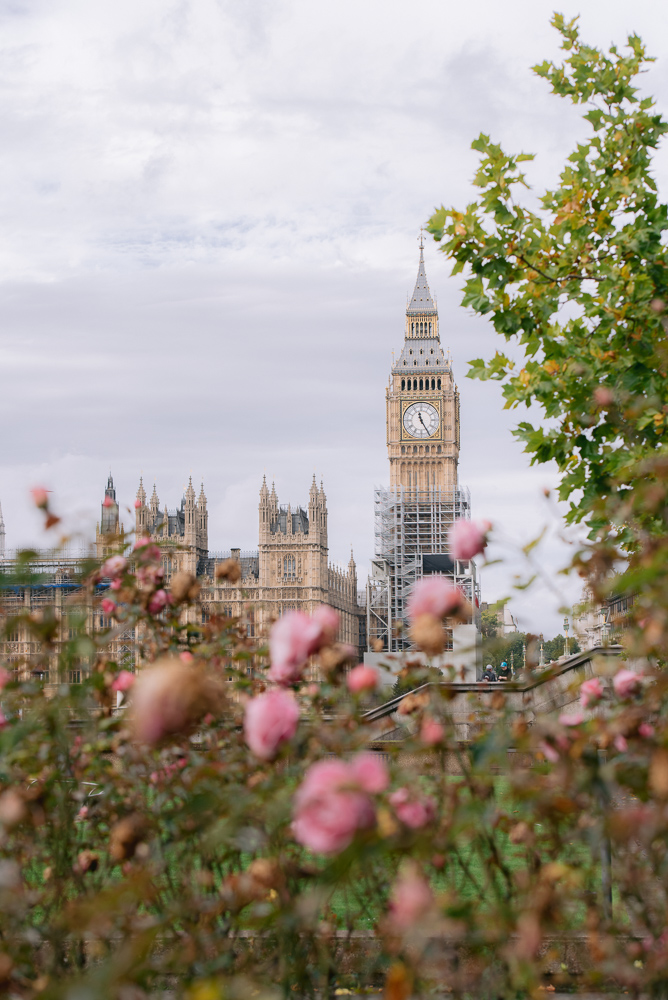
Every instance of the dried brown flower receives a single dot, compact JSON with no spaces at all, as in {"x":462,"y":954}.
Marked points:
{"x":229,"y":569}
{"x":125,"y":836}
{"x":184,"y":587}
{"x":428,"y":634}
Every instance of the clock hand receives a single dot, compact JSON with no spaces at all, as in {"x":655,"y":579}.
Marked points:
{"x":422,"y":421}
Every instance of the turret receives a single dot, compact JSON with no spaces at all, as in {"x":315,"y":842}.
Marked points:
{"x":109,"y":511}
{"x":190,"y":532}
{"x":154,"y":504}
{"x":202,"y":521}
{"x":141,"y":511}
{"x":322,"y":510}
{"x":264,"y":509}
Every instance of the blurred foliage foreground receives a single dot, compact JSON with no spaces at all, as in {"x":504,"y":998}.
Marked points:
{"x":227,"y":834}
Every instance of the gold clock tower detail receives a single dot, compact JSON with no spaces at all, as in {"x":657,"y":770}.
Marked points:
{"x":422,"y":402}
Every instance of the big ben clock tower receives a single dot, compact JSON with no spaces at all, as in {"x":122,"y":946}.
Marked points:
{"x":422,"y":402}
{"x":413,"y":516}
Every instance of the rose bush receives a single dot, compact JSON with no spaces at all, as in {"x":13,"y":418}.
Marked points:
{"x":222,"y":836}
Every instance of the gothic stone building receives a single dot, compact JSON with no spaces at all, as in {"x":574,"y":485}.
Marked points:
{"x":290,"y":568}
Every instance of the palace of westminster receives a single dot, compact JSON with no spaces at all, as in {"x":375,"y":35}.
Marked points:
{"x":290,"y":567}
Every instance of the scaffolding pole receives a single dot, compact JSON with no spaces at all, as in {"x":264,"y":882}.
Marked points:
{"x":411,"y":530}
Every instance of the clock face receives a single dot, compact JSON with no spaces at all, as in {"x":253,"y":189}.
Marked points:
{"x":421,"y":420}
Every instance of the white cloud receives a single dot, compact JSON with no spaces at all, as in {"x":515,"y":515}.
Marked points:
{"x":208,"y":220}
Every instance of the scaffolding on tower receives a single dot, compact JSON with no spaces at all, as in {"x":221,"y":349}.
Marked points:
{"x":411,"y":530}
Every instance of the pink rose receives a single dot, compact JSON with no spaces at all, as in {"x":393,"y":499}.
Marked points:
{"x":435,"y":596}
{"x":413,"y":810}
{"x":549,"y":752}
{"x":591,"y":692}
{"x":292,"y":639}
{"x":370,"y":772}
{"x":150,"y":575}
{"x":603,"y":396}
{"x":329,"y":621}
{"x":137,"y":504}
{"x":271,"y":719}
{"x":107,"y":502}
{"x":432,"y":732}
{"x":141,"y":542}
{"x":115,"y":584}
{"x":113,"y":567}
{"x":571,"y":719}
{"x":40,"y":497}
{"x":621,"y":743}
{"x":331,"y":805}
{"x":123,"y":681}
{"x":186,"y":656}
{"x":362,"y":678}
{"x":157,"y":602}
{"x":467,"y":539}
{"x":411,"y":898}
{"x":645,"y":730}
{"x":107,"y":605}
{"x":626,"y":683}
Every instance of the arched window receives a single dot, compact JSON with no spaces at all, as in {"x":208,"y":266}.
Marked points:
{"x":433,"y":383}
{"x":412,"y":327}
{"x":415,"y":383}
{"x":403,"y":449}
{"x":411,"y":351}
{"x":429,"y":326}
{"x":439,"y":449}
{"x":426,"y":451}
{"x":289,"y":567}
{"x":415,"y":449}
{"x":421,"y":386}
{"x":439,"y":384}
{"x":403,"y":383}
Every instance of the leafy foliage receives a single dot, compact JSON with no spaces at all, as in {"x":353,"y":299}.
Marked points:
{"x":580,"y":284}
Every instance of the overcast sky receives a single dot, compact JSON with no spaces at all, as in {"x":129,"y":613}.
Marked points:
{"x":209,"y":220}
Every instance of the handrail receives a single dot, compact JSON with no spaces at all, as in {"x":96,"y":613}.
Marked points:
{"x":482,"y":687}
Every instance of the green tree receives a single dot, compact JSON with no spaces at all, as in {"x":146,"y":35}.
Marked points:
{"x":554,"y":648}
{"x":581,"y":284}
{"x":489,"y":622}
{"x":412,"y":679}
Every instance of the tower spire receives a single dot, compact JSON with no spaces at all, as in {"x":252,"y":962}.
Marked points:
{"x":421,"y":302}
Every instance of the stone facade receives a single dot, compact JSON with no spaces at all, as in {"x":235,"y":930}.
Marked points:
{"x":289,"y":570}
